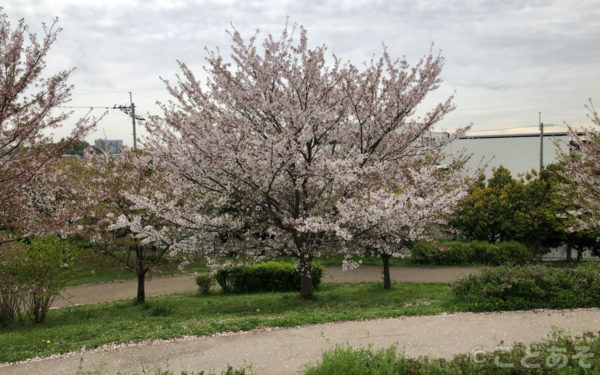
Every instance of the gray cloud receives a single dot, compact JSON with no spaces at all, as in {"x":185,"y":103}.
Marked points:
{"x":507,"y":60}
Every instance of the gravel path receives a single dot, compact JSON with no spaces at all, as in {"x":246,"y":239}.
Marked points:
{"x":285,"y":351}
{"x":118,"y":290}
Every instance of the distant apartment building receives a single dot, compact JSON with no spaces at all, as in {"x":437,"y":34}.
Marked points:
{"x":113,"y":146}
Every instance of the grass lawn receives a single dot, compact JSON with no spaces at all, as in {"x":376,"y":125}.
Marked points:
{"x":91,"y":268}
{"x":69,"y":329}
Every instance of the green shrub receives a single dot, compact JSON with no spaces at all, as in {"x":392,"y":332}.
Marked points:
{"x":350,"y":361}
{"x":205,"y":281}
{"x":265,"y":277}
{"x":533,"y":286}
{"x":10,"y":289}
{"x":32,"y":274}
{"x":476,"y":252}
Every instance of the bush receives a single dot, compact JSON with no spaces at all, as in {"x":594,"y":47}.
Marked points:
{"x":10,"y":289}
{"x":533,"y":286}
{"x":350,"y":361}
{"x":205,"y":281}
{"x":32,"y":274}
{"x":265,"y":277}
{"x":476,"y":252}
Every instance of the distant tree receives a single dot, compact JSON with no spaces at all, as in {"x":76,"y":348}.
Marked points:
{"x":492,"y":212}
{"x":541,"y":210}
{"x":507,"y":209}
{"x":78,"y":148}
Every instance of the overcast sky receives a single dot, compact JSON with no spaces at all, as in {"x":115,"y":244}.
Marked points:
{"x":505,"y":60}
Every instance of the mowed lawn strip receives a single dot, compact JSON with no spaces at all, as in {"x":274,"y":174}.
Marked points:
{"x":72,"y":328}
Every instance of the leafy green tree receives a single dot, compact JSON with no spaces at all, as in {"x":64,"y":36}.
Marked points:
{"x":77,"y":148}
{"x":533,"y":210}
{"x":494,"y":211}
{"x":505,"y":209}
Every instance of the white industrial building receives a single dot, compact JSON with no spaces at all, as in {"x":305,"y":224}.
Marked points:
{"x":518,"y":152}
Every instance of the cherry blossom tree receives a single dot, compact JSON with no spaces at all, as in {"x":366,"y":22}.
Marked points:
{"x":281,"y":145}
{"x":582,"y":171}
{"x":388,"y":218}
{"x":139,"y":239}
{"x":406,"y":183}
{"x":29,"y":110}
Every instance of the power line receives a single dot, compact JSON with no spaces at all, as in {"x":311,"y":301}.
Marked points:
{"x":127,"y":109}
{"x":98,"y":90}
{"x":83,"y":106}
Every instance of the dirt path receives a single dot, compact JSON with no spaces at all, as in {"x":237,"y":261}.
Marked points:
{"x":94,"y":293}
{"x":285,"y":351}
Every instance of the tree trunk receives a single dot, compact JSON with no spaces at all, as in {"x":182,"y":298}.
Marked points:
{"x":141,"y":292}
{"x":579,"y":253}
{"x":387,"y":282}
{"x":141,"y":273}
{"x":306,"y":289}
{"x":569,"y":257}
{"x":305,"y":256}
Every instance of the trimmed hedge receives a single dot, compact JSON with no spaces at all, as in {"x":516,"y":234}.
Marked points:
{"x":476,"y":252}
{"x":529,"y":287}
{"x":265,"y":277}
{"x":537,"y":358}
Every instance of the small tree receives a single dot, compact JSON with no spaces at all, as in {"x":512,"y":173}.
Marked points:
{"x":406,"y":183}
{"x":113,"y":222}
{"x":384,"y":220}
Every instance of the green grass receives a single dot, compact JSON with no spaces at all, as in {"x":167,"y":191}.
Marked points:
{"x":91,"y":267}
{"x":359,"y":361}
{"x":70,"y":328}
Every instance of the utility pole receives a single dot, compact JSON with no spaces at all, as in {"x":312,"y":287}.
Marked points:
{"x":133,"y":120}
{"x":130,"y":110}
{"x":541,"y":142}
